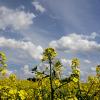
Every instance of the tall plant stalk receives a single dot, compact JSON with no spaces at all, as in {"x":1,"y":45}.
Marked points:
{"x":50,"y":63}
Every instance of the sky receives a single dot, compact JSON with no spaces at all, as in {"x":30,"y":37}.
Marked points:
{"x":72,"y":27}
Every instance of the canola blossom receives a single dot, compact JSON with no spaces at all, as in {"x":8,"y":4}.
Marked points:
{"x":48,"y":53}
{"x":46,"y":85}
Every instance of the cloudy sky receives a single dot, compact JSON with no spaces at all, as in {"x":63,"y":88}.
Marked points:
{"x":72,"y":27}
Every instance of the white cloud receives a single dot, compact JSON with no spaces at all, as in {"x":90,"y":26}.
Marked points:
{"x":87,"y":61}
{"x":65,"y":62}
{"x":16,"y":19}
{"x":29,"y":47}
{"x":38,"y":6}
{"x":93,"y":35}
{"x":26,"y":72}
{"x":93,"y":69}
{"x":75,"y":42}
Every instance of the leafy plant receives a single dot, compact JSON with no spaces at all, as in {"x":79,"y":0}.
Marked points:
{"x":48,"y":84}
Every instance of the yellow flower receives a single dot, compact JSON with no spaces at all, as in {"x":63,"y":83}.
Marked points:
{"x":75,"y":79}
{"x":12,"y":77}
{"x":73,"y":98}
{"x":3,"y":72}
{"x":6,"y":87}
{"x":58,"y":99}
{"x":3,"y":56}
{"x":12,"y":91}
{"x":49,"y":53}
{"x":22,"y":94}
{"x":75,"y":62}
{"x":57,"y":82}
{"x":0,"y":87}
{"x":76,"y":71}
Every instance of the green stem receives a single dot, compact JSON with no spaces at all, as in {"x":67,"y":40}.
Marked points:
{"x":50,"y":62}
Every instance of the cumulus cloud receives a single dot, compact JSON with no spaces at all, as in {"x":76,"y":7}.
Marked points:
{"x":26,"y":72}
{"x":38,"y":6}
{"x":65,"y":62}
{"x":93,"y":69}
{"x":76,"y":42}
{"x":93,"y":35}
{"x":87,"y":61}
{"x":15,"y":19}
{"x":29,"y":47}
{"x":90,"y":37}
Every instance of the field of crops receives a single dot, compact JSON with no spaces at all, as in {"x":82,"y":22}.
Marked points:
{"x":49,"y":86}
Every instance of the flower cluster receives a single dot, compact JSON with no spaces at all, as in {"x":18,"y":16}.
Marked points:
{"x":49,"y":53}
{"x":98,"y":71}
{"x":3,"y":64}
{"x":75,"y":69}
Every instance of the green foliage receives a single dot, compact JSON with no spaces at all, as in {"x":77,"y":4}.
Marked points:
{"x":57,"y":65}
{"x":46,"y":86}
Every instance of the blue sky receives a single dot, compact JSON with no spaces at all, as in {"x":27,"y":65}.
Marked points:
{"x":72,"y":27}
